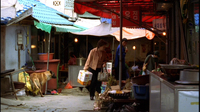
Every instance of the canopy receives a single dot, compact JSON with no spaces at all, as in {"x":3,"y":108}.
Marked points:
{"x":43,"y":26}
{"x":105,"y":29}
{"x":74,"y":28}
{"x":9,"y":8}
{"x":59,"y":28}
{"x":133,"y":33}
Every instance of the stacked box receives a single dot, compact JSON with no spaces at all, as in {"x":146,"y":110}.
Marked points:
{"x":84,"y":77}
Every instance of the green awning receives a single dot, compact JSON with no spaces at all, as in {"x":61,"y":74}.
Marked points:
{"x":88,"y":15}
{"x":59,"y":28}
{"x":75,"y":28}
{"x":43,"y":26}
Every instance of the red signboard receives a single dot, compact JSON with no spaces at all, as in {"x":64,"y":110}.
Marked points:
{"x":133,"y":14}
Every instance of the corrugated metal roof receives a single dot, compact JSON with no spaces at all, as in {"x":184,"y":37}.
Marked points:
{"x":41,"y":12}
{"x":46,"y":14}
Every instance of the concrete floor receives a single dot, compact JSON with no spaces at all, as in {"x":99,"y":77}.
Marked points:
{"x":69,"y":100}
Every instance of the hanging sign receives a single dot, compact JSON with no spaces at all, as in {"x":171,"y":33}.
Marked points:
{"x":69,"y":4}
{"x":133,"y":14}
{"x":160,"y":24}
{"x":55,"y":4}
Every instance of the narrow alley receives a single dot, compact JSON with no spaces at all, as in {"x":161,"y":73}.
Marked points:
{"x":69,"y":100}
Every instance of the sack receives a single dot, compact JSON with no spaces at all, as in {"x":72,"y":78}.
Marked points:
{"x":103,"y":76}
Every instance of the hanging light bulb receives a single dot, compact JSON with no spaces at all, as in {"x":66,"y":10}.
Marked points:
{"x":164,"y":33}
{"x":76,"y":40}
{"x":33,"y":46}
{"x":134,"y":47}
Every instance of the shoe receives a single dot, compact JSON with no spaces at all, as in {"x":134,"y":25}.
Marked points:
{"x":91,"y":98}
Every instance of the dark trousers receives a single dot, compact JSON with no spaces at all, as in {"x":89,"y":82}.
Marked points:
{"x":123,"y":73}
{"x":95,"y":84}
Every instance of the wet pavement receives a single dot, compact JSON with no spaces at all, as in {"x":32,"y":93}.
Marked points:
{"x":69,"y":100}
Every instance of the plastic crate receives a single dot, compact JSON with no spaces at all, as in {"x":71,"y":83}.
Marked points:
{"x":141,"y":91}
{"x":103,"y":88}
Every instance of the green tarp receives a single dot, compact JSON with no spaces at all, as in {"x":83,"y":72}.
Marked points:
{"x":43,"y":26}
{"x":74,"y":28}
{"x":59,"y":28}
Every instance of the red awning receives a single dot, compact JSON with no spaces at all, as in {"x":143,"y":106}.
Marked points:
{"x":104,"y":8}
{"x":81,"y":9}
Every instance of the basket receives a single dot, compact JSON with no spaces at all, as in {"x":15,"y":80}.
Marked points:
{"x":141,"y":80}
{"x":120,"y":96}
{"x":44,"y":56}
{"x":19,"y":85}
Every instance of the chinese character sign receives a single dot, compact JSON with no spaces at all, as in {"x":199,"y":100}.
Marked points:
{"x":132,"y":14}
{"x":160,"y":24}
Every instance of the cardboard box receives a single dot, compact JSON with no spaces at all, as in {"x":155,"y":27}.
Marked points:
{"x":84,"y":77}
{"x":115,"y":87}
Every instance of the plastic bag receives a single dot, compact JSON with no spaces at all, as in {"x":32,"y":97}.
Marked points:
{"x":174,"y":61}
{"x":134,"y":68}
{"x":21,"y":78}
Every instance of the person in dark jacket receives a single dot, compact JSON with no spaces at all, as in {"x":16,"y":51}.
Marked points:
{"x":117,"y":56}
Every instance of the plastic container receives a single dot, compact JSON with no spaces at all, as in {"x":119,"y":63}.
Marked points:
{"x":141,"y":91}
{"x":21,"y":93}
{"x":44,"y":56}
{"x":109,"y":67}
{"x":140,"y":80}
{"x":103,"y":88}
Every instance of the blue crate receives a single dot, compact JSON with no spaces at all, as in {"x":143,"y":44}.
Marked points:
{"x":141,"y":91}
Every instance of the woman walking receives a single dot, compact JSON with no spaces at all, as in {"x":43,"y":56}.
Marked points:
{"x":95,"y":61}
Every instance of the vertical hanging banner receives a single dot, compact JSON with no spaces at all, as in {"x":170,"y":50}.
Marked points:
{"x":132,"y":13}
{"x":69,"y":4}
{"x":160,"y":24}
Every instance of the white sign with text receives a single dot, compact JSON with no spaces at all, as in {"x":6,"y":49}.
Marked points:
{"x":160,"y":24}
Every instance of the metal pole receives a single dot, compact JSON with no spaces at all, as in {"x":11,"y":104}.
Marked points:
{"x":48,"y":51}
{"x":113,"y":49}
{"x":48,"y":59}
{"x":120,"y":59}
{"x":86,"y":46}
{"x":134,"y":62}
{"x":59,"y":46}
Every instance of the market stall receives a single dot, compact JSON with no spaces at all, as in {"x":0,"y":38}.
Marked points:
{"x":169,"y":93}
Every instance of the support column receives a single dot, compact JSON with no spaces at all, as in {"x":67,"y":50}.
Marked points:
{"x":3,"y":47}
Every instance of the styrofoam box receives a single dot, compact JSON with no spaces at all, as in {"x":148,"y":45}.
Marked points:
{"x":84,"y":77}
{"x":188,"y":101}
